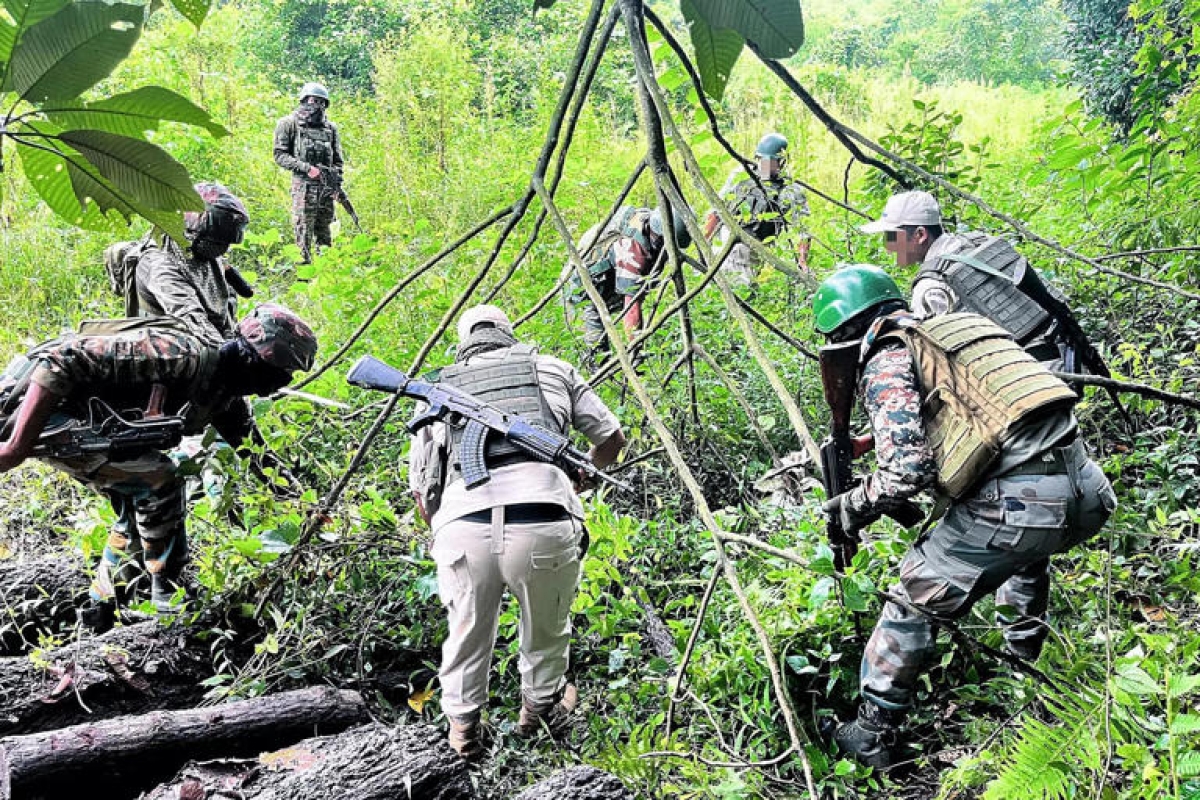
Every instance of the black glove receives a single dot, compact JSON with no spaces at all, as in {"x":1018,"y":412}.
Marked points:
{"x":852,"y":521}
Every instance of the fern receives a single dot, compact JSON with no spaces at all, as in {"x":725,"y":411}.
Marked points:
{"x":1047,"y":762}
{"x":1188,"y":765}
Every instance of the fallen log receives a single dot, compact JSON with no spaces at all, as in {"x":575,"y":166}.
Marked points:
{"x":38,"y":596}
{"x":129,"y":670}
{"x":578,"y":783}
{"x":373,"y":762}
{"x":127,"y":754}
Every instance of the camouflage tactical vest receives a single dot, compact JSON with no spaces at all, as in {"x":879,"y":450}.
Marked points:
{"x":595,"y":247}
{"x":510,"y":385}
{"x":977,"y":386}
{"x":765,"y":218}
{"x":314,"y":145}
{"x":984,"y":272}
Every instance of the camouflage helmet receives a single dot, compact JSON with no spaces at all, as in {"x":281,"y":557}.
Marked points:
{"x":681,"y":232}
{"x":314,"y":89}
{"x":280,"y":338}
{"x":224,"y":218}
{"x":849,"y":292}
{"x":773,"y":145}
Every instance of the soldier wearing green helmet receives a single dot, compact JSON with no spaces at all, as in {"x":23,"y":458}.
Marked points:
{"x":957,"y":408}
{"x":770,"y":209}
{"x":308,"y":146}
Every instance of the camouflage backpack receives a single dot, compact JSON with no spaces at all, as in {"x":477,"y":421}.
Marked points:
{"x":594,"y":247}
{"x":120,"y":263}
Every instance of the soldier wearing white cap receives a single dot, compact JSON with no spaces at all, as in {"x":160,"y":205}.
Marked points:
{"x":521,"y":530}
{"x":971,"y":271}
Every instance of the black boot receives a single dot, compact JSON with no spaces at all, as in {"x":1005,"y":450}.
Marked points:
{"x":870,"y":739}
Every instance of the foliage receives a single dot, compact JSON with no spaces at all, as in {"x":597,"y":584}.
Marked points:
{"x":86,"y":158}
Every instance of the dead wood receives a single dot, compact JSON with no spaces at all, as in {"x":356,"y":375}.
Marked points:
{"x":578,"y":783}
{"x":38,"y":596}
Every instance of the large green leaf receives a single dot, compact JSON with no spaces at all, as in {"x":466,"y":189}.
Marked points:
{"x":775,"y":26}
{"x":24,"y":13}
{"x":143,"y":171}
{"x":74,"y":190}
{"x":717,"y":50}
{"x":70,"y":51}
{"x":134,"y":113}
{"x":193,"y":10}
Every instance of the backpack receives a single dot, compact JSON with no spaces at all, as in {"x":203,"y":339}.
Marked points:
{"x":120,"y":263}
{"x":594,"y":247}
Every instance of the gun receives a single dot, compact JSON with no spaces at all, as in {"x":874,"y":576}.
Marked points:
{"x":237,"y":281}
{"x":107,"y":431}
{"x":331,"y":179}
{"x":839,"y":368}
{"x":478,"y":419}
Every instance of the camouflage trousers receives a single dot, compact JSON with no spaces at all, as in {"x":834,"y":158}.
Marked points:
{"x":1000,"y":540}
{"x":312,"y":214}
{"x":149,"y":533}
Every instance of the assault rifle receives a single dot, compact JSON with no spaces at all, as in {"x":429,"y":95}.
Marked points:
{"x":458,"y":409}
{"x":331,"y":180}
{"x":839,"y":368}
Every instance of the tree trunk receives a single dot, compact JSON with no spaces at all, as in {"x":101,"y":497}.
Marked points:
{"x":129,"y":670}
{"x":374,"y":762}
{"x":118,"y":755}
{"x":38,"y":596}
{"x":578,"y":783}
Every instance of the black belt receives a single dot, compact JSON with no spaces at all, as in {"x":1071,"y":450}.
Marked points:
{"x":523,"y":514}
{"x":1055,"y":461}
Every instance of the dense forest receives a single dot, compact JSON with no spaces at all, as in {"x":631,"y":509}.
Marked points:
{"x":712,"y":633}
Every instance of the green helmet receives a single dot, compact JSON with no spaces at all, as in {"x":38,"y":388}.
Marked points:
{"x":850,"y":291}
{"x":773,"y":145}
{"x":312,"y":89}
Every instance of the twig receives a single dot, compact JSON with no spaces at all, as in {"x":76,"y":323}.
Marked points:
{"x":771,"y":762}
{"x":1129,"y":387}
{"x":1191,"y":248}
{"x":796,"y":344}
{"x":738,"y":395}
{"x":681,"y":670}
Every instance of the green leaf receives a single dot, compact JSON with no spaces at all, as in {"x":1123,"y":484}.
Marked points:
{"x":24,"y":13}
{"x":1185,"y":724}
{"x":775,"y":26}
{"x":1135,"y":680}
{"x":143,"y":170}
{"x":134,"y":113}
{"x":193,"y":10}
{"x":72,"y":50}
{"x":717,"y":49}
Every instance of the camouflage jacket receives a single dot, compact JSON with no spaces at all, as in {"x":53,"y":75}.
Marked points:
{"x":782,"y":210}
{"x":904,"y":460}
{"x":172,"y":284}
{"x":122,"y":368}
{"x":291,"y":149}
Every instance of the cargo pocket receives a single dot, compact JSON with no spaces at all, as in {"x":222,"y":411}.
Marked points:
{"x":554,"y":574}
{"x":453,"y":577}
{"x":1031,"y":524}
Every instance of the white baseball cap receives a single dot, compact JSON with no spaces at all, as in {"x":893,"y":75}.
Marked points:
{"x":483,"y":313}
{"x":906,"y":208}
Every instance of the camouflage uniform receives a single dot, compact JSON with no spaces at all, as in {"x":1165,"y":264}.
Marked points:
{"x":1042,"y":497}
{"x":771,"y":218}
{"x":172,"y":283}
{"x":120,"y":369}
{"x":297,"y":148}
{"x":620,"y":274}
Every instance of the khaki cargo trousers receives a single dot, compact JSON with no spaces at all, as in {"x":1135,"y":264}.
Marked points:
{"x":1000,"y":540}
{"x":539,"y":563}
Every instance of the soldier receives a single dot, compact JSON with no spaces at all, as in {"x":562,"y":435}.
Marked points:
{"x":769,"y":216}
{"x":968,"y":272}
{"x":160,"y":279}
{"x":1013,"y":470}
{"x":308,"y":146}
{"x":522,"y":529}
{"x":622,"y":258}
{"x":155,"y":367}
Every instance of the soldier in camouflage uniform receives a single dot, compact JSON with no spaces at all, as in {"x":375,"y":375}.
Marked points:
{"x":122,"y":366}
{"x":621,"y":258}
{"x":306,"y":145}
{"x":966,"y":272}
{"x":770,"y":217}
{"x":1013,"y":470}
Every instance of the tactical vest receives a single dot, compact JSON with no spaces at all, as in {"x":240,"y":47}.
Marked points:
{"x":766,"y":220}
{"x":977,"y":386}
{"x":510,"y":385}
{"x":314,"y":145}
{"x":596,"y":251}
{"x":984,"y":272}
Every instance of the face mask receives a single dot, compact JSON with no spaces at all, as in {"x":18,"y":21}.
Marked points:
{"x":310,"y":114}
{"x":245,"y":373}
{"x":208,"y":249}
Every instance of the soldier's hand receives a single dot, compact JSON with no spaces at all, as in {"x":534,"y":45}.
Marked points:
{"x":314,"y":172}
{"x":852,"y":520}
{"x":10,"y":458}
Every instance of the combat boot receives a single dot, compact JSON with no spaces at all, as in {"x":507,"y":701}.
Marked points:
{"x":871,"y":738}
{"x":554,"y":716}
{"x":464,"y":736}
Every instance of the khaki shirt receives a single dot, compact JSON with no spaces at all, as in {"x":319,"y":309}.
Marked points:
{"x":932,"y":296}
{"x":574,"y":405}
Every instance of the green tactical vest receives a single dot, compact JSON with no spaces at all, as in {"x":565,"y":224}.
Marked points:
{"x":977,"y":386}
{"x":510,"y":385}
{"x":314,"y":145}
